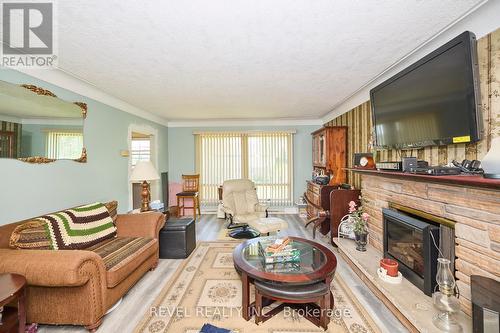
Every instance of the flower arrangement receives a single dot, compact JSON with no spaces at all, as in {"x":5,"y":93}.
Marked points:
{"x":359,"y":218}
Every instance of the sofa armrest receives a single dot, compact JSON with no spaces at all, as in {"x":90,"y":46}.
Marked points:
{"x":53,"y":268}
{"x":140,"y":225}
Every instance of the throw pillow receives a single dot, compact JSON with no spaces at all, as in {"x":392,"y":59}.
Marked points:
{"x":112,"y":208}
{"x":31,"y":235}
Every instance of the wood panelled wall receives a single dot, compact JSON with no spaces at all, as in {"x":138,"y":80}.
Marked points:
{"x":359,"y":119}
{"x":16,"y":128}
{"x":359,"y":135}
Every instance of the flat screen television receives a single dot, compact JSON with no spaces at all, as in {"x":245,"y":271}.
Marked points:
{"x":435,"y":101}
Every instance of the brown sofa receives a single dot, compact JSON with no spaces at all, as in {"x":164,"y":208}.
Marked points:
{"x":73,"y":286}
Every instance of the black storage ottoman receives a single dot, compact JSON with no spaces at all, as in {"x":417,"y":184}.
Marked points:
{"x":177,"y":238}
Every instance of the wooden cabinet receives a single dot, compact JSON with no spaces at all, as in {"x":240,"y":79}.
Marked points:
{"x":319,"y":149}
{"x":329,"y":153}
{"x":331,"y":199}
{"x":318,"y":197}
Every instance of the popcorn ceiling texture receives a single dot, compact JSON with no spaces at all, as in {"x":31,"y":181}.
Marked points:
{"x":241,"y":59}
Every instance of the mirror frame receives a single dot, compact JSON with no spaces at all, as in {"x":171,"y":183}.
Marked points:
{"x":42,"y":159}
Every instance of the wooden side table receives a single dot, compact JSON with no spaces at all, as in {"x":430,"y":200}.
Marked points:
{"x":12,"y":287}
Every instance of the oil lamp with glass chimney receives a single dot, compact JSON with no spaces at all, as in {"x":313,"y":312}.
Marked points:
{"x":446,"y":300}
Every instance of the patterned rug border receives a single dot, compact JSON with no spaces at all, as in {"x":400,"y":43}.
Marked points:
{"x":222,"y":236}
{"x":141,"y":326}
{"x":159,"y":298}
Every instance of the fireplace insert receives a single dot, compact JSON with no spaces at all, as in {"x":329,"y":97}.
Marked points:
{"x":408,"y":240}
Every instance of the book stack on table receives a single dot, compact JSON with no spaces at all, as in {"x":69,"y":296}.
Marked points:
{"x":278,"y":251}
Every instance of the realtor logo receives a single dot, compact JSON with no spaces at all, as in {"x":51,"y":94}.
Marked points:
{"x":28,"y":34}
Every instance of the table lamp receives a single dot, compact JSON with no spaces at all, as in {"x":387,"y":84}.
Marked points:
{"x":144,"y":171}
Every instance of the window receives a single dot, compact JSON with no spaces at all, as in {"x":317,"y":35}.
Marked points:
{"x":263,"y":157}
{"x":64,"y":145}
{"x":140,"y":148}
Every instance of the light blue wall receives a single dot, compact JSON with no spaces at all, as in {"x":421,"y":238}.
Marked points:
{"x":181,"y":149}
{"x":29,"y":190}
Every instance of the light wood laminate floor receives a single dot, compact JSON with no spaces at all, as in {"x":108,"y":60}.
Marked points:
{"x":137,"y":301}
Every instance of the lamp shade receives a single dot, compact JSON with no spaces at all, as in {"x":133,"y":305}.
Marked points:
{"x":144,"y":170}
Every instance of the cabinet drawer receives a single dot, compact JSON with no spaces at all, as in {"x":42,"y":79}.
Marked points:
{"x":314,"y":198}
{"x":313,"y":188}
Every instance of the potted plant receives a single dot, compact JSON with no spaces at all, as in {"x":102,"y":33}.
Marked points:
{"x":359,"y":219}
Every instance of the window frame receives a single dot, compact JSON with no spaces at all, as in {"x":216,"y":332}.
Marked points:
{"x":245,"y":137}
{"x":54,"y":152}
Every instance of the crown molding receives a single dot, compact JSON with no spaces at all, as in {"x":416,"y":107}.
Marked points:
{"x":10,"y":119}
{"x":68,"y":81}
{"x":481,"y":20}
{"x":53,"y":121}
{"x":246,"y":122}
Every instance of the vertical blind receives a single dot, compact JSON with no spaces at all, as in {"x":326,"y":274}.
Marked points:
{"x":64,"y":145}
{"x":263,"y":157}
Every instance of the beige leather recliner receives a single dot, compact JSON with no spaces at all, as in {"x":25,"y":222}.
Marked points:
{"x":241,"y":204}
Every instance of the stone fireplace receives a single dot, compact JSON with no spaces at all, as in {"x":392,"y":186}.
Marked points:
{"x":413,"y":242}
{"x":475,"y":236}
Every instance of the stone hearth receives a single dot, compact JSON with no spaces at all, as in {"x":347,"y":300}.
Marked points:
{"x":414,"y":309}
{"x":476,"y":212}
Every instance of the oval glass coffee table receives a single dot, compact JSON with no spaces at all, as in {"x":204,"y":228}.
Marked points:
{"x":317,"y":264}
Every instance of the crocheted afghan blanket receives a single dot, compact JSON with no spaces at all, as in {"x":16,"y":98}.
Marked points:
{"x":78,"y":228}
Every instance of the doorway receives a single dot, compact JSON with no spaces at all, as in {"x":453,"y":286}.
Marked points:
{"x":142,"y":144}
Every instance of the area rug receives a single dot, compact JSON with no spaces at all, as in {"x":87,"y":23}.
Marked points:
{"x":207,"y":289}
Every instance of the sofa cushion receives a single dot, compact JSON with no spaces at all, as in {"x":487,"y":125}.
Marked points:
{"x":122,"y":255}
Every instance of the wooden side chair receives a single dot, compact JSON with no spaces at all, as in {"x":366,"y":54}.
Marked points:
{"x":190,"y":190}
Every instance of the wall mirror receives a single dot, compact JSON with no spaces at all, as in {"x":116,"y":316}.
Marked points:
{"x":38,"y":127}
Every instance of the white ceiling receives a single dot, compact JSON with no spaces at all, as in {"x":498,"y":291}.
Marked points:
{"x":239,"y":59}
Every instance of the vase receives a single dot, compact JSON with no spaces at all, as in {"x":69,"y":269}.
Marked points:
{"x":361,"y":241}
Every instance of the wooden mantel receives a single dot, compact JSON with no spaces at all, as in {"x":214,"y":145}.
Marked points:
{"x":464,"y":180}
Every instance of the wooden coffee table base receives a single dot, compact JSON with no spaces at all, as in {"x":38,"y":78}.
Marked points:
{"x":251,"y":309}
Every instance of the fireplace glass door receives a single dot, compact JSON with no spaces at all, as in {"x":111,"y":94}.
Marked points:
{"x":405,"y":243}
